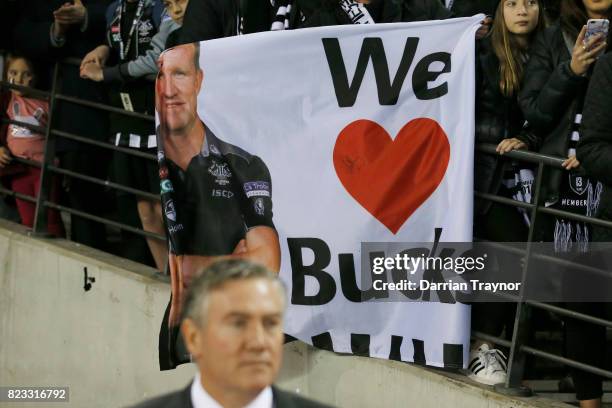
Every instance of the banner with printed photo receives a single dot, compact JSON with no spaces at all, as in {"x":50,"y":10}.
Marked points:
{"x":292,"y":148}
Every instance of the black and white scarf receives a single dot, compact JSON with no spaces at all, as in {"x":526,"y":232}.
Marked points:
{"x":579,"y":194}
{"x":355,"y":11}
{"x":281,"y":20}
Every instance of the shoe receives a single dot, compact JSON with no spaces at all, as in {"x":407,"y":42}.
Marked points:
{"x":487,"y":366}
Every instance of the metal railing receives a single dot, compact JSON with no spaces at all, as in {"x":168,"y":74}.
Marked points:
{"x":48,"y":168}
{"x":518,"y":345}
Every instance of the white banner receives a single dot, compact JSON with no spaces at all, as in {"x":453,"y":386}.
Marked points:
{"x":368,"y":134}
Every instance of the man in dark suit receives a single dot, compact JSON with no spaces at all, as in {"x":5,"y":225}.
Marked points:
{"x":233,"y":328}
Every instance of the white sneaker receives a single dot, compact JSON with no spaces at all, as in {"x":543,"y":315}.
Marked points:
{"x":487,"y":366}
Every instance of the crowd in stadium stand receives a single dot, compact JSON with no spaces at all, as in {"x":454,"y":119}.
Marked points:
{"x":534,"y":65}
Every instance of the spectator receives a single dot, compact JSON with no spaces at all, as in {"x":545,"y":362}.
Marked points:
{"x":176,"y":10}
{"x":93,"y":65}
{"x":48,"y":31}
{"x":499,"y":120}
{"x":316,"y":13}
{"x":8,"y":208}
{"x":594,"y":152}
{"x":210,"y":19}
{"x":556,"y":80}
{"x":131,"y":27}
{"x":27,"y":143}
{"x":233,"y":328}
{"x":552,"y":100}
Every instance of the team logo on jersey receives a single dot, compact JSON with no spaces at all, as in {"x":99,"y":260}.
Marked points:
{"x":221,"y":171}
{"x":257,"y":189}
{"x":259,"y":206}
{"x":215,"y":150}
{"x":169,"y":210}
{"x":144,"y":28}
{"x":166,"y":186}
{"x":578,"y":184}
{"x":163,"y":172}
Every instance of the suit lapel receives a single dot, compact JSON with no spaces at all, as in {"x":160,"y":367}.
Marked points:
{"x":282,"y":399}
{"x":183,"y":399}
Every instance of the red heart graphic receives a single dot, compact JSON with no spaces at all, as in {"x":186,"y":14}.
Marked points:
{"x":391,"y":178}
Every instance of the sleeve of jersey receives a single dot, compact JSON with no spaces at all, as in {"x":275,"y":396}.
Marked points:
{"x":256,"y":192}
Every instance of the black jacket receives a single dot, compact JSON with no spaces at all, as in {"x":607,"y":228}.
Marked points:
{"x":595,"y":147}
{"x":210,"y":19}
{"x":497,"y":117}
{"x":550,"y":98}
{"x":10,"y":16}
{"x":141,"y":91}
{"x":182,"y":399}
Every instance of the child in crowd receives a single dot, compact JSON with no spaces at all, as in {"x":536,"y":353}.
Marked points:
{"x":7,"y":211}
{"x":28,"y":143}
{"x":499,"y":120}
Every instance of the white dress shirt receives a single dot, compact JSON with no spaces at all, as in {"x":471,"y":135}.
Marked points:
{"x":201,"y":399}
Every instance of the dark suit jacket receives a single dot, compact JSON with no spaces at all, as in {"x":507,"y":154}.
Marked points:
{"x":182,"y":399}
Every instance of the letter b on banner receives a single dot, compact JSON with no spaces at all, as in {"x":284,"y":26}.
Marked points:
{"x":322,"y":258}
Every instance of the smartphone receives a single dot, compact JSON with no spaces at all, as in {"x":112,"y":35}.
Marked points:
{"x":596,"y":26}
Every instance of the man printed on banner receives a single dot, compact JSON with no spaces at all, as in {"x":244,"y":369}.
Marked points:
{"x":216,"y":197}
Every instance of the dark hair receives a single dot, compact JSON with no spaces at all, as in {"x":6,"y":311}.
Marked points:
{"x":214,"y":277}
{"x":573,"y":16}
{"x":510,"y":52}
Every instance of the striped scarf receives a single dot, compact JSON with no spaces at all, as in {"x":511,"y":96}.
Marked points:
{"x":355,"y":11}
{"x":569,"y":234}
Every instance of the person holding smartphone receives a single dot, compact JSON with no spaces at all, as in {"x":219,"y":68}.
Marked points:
{"x":552,"y":100}
{"x":594,"y":152}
